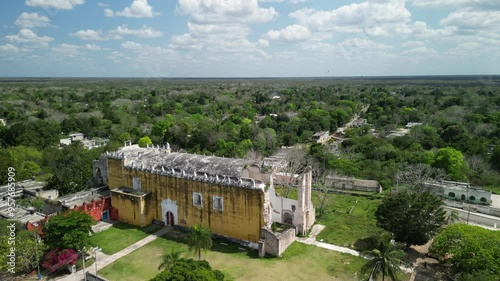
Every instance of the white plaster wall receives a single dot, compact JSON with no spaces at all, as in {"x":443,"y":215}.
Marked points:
{"x":275,"y":205}
{"x":168,"y":205}
{"x":280,"y":204}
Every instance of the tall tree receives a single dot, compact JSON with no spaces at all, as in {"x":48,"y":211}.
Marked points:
{"x":452,"y":161}
{"x":69,"y":230}
{"x":414,"y":218}
{"x":385,"y":259}
{"x":296,"y":160}
{"x":417,"y":174}
{"x":28,"y":250}
{"x":199,"y":238}
{"x":145,"y":141}
{"x":495,"y":158}
{"x":469,"y":248}
{"x":190,"y":270}
{"x":319,"y":174}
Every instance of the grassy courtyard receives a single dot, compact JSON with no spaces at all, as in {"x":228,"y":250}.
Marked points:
{"x":300,"y":262}
{"x":349,"y":219}
{"x":120,"y":236}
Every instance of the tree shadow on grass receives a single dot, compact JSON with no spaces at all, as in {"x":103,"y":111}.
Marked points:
{"x":366,"y":244}
{"x":218,"y":245}
{"x":149,"y":229}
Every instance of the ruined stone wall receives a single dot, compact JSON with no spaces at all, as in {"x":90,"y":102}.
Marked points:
{"x":339,"y":182}
{"x":241,"y":217}
{"x":276,"y":244}
{"x":100,"y":171}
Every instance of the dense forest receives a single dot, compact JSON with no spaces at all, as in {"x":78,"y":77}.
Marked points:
{"x":252,"y":118}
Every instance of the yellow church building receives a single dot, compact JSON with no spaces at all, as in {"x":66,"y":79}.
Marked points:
{"x":227,"y":195}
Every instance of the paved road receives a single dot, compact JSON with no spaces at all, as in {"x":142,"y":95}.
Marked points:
{"x":104,"y":260}
{"x":477,"y":219}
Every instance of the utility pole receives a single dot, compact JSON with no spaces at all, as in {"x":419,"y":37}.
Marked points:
{"x":37,"y":241}
{"x":83,"y":262}
{"x":468,"y":215}
{"x":96,"y":249}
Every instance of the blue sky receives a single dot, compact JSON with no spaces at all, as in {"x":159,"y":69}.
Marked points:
{"x":248,"y":38}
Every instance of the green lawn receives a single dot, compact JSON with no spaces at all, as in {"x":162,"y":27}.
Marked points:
{"x":300,"y":262}
{"x":120,"y":236}
{"x":349,"y":219}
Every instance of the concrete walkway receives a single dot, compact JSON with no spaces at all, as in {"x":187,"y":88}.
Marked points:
{"x":103,"y":225}
{"x":104,"y":260}
{"x":311,"y":240}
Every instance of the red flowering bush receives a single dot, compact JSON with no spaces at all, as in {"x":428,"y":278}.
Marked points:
{"x":56,"y":259}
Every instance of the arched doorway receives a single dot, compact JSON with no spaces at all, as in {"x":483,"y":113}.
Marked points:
{"x":170,"y":218}
{"x":288,"y":218}
{"x":98,"y":176}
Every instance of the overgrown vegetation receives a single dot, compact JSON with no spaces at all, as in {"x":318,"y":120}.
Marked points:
{"x":472,"y":251}
{"x":234,"y":118}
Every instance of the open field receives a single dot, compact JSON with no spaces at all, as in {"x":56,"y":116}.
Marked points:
{"x":300,"y":262}
{"x":120,"y":236}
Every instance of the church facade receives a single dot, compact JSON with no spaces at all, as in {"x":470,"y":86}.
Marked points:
{"x":230,"y":196}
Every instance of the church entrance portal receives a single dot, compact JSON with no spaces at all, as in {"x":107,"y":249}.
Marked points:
{"x":170,"y":219}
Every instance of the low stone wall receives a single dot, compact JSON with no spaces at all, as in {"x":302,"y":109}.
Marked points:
{"x":474,"y":208}
{"x":476,"y":218}
{"x":275,"y":244}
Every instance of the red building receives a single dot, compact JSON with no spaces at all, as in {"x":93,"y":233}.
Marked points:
{"x":98,"y":209}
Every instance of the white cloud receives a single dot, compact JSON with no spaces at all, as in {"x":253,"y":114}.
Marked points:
{"x":144,"y":32}
{"x":9,"y":48}
{"x":90,"y":34}
{"x":109,"y":12}
{"x":420,"y":51}
{"x":55,"y":4}
{"x":412,"y":44}
{"x":218,"y":30}
{"x":28,"y":36}
{"x":31,"y":20}
{"x":223,"y":11}
{"x":152,"y":61}
{"x":263,"y":42}
{"x":483,"y":4}
{"x":71,"y":50}
{"x":363,"y":44}
{"x":103,"y":5}
{"x":420,"y":29}
{"x":290,"y":33}
{"x":138,"y":9}
{"x":91,"y":47}
{"x":66,"y":50}
{"x":229,"y":28}
{"x":470,"y":19}
{"x":374,"y":17}
{"x":280,"y":1}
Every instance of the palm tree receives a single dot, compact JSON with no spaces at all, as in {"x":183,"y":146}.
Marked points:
{"x":169,"y":260}
{"x":452,"y":217}
{"x":199,"y":238}
{"x":386,"y":260}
